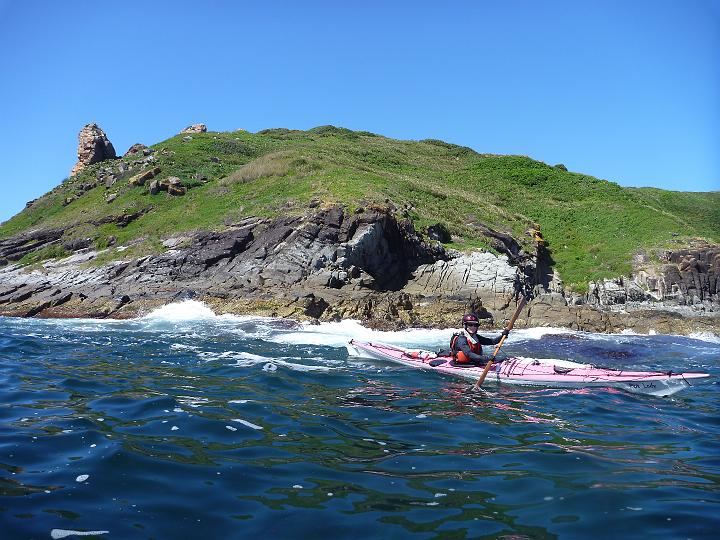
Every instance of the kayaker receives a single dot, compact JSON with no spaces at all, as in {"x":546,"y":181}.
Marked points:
{"x":466,"y":346}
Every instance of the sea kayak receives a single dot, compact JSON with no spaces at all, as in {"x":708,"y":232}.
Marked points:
{"x":534,"y":371}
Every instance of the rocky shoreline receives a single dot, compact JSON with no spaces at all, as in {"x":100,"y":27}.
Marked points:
{"x":369,"y":265}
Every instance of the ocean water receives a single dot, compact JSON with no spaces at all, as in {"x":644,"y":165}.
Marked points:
{"x":183,"y":424}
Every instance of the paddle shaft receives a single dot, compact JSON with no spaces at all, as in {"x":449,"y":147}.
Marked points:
{"x":497,"y":349}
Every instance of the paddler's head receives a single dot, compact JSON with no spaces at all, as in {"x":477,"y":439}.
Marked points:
{"x":471,"y":323}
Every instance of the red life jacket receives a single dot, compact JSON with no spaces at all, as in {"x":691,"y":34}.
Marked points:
{"x":459,"y":356}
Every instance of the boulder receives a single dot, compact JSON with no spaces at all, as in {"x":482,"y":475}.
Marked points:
{"x":76,"y":244}
{"x":173,"y":185}
{"x":110,"y":180}
{"x":136,"y":149}
{"x":195,"y":128}
{"x":93,"y":147}
{"x":140,"y":178}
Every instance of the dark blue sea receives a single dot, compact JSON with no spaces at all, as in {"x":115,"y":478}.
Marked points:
{"x":183,"y":424}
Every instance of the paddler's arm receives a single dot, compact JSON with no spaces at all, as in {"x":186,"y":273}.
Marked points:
{"x":491,"y":341}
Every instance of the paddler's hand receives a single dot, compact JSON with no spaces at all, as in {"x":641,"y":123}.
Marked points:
{"x":505,"y":332}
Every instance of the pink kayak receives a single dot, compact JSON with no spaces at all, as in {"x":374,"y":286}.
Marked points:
{"x":535,"y":371}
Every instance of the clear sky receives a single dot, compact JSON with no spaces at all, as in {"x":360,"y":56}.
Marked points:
{"x":627,"y":91}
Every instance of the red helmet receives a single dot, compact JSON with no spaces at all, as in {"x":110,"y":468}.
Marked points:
{"x":470,"y":318}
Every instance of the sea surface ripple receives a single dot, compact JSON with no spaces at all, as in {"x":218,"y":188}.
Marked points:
{"x":184,"y":424}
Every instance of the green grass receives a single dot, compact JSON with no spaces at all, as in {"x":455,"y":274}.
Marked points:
{"x":53,"y":251}
{"x":592,"y":226}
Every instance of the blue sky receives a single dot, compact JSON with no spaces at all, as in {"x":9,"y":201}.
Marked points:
{"x":624,"y":91}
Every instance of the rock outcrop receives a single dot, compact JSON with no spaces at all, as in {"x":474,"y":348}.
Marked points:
{"x":330,"y":265}
{"x":16,"y":247}
{"x":140,"y":178}
{"x":195,"y":128}
{"x":479,"y":275}
{"x":93,"y":147}
{"x":173,"y":185}
{"x":612,"y":292}
{"x":688,"y":276}
{"x":137,"y":149}
{"x":685,"y":277}
{"x":290,"y":257}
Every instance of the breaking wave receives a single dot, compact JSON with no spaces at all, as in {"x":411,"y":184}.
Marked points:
{"x":192,"y":316}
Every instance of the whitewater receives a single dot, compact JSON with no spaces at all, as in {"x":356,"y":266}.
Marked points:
{"x":184,"y":423}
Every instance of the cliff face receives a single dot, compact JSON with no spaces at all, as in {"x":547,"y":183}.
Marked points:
{"x":688,"y":277}
{"x":329,"y":265}
{"x":291,"y":257}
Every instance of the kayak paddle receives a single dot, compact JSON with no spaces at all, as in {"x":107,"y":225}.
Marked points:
{"x":502,"y":340}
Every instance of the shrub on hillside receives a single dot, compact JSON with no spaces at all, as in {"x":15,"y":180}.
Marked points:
{"x":224,"y":146}
{"x":455,"y":149}
{"x":282,"y":134}
{"x":325,"y":131}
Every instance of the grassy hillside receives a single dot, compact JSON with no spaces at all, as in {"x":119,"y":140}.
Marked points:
{"x":592,"y":226}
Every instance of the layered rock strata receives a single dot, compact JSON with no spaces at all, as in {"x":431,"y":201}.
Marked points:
{"x":329,"y":265}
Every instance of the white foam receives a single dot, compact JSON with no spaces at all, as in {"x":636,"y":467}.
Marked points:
{"x":301,"y":367}
{"x":64,"y":533}
{"x":629,"y":332}
{"x":250,"y":357}
{"x":246,"y":423}
{"x":705,"y":336}
{"x":193,"y":310}
{"x":193,"y":401}
{"x":187,"y":310}
{"x":337,"y":334}
{"x":539,"y":332}
{"x":246,"y":359}
{"x":182,"y":347}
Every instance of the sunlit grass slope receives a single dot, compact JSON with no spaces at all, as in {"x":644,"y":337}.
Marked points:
{"x":592,"y":226}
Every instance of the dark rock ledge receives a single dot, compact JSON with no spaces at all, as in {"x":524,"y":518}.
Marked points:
{"x":369,"y":265}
